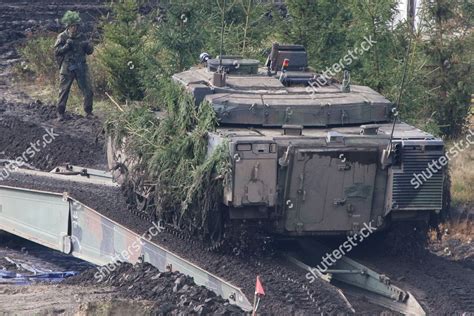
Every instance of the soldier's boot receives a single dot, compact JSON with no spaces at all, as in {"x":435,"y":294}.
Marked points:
{"x":61,"y":117}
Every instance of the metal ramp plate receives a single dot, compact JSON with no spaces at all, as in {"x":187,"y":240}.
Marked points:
{"x":63,"y":223}
{"x":38,"y":216}
{"x":357,"y":279}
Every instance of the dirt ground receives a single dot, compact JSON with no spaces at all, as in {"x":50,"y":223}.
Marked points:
{"x":456,"y":239}
{"x":169,"y":292}
{"x":22,"y":296}
{"x":26,"y":126}
{"x":59,"y":299}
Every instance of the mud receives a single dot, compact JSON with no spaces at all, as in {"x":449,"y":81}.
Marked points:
{"x":170,"y":292}
{"x":454,"y":240}
{"x":25,"y":128}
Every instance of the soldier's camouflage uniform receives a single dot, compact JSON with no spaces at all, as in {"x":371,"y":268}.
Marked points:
{"x":71,"y":55}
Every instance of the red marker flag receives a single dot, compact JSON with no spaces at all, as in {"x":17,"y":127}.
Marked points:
{"x":259,"y":287}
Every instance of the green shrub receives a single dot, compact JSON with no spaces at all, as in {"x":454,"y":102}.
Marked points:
{"x":38,"y":55}
{"x":98,"y":72}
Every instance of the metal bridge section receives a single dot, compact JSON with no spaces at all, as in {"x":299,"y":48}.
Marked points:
{"x":359,"y":281}
{"x":65,"y":224}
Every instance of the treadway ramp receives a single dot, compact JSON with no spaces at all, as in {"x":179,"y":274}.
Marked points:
{"x":60,"y":222}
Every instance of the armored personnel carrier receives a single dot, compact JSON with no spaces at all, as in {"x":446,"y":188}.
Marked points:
{"x":311,"y":156}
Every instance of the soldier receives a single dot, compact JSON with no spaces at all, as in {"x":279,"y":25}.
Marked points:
{"x":70,"y":50}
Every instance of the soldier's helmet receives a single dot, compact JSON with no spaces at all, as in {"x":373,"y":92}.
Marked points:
{"x":71,"y":18}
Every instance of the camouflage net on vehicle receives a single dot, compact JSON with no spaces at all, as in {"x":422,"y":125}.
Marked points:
{"x":168,"y":158}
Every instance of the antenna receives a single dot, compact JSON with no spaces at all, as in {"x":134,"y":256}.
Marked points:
{"x":222,"y":35}
{"x":219,"y":77}
{"x":397,"y":104}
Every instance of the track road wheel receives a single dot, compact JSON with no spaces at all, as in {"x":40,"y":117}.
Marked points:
{"x":141,"y":202}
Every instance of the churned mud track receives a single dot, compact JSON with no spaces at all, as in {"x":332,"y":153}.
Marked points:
{"x":441,"y":286}
{"x":287,"y":290}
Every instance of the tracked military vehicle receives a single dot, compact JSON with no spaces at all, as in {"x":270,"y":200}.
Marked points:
{"x":309,"y":155}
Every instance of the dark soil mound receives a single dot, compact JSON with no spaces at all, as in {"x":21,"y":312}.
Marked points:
{"x":31,"y":132}
{"x":172,"y":292}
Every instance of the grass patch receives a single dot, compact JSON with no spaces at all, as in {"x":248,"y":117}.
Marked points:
{"x":462,"y":178}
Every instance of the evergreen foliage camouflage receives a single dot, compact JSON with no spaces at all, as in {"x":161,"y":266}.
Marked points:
{"x":170,"y":154}
{"x":186,"y":28}
{"x":71,"y":18}
{"x":321,"y":26}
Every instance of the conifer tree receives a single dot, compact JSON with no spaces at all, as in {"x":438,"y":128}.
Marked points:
{"x":122,"y":52}
{"x":447,"y":26}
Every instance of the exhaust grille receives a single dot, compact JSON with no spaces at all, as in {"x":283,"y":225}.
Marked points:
{"x":414,"y":165}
